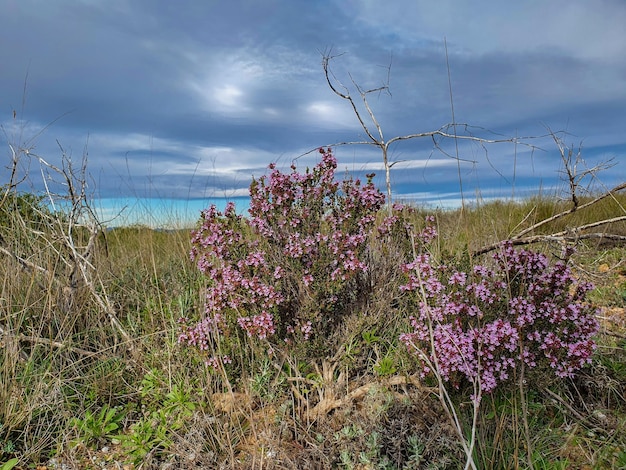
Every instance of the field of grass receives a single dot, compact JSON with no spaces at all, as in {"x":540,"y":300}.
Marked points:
{"x":92,"y":374}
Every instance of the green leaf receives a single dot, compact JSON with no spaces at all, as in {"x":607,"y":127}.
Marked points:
{"x":9,"y":464}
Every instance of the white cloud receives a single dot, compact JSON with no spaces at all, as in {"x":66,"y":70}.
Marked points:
{"x":228,"y":96}
{"x":401,"y":165}
{"x":324,"y":113}
{"x":248,"y":81}
{"x":219,"y":79}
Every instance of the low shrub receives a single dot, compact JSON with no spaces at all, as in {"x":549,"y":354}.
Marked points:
{"x":516,"y":311}
{"x":291,"y":271}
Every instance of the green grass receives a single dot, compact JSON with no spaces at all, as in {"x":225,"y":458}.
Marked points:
{"x":71,"y":385}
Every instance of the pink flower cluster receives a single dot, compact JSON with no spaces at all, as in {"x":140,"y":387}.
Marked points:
{"x":303,"y":243}
{"x":317,"y":222}
{"x":304,"y":329}
{"x":319,"y":228}
{"x":483,"y":324}
{"x":216,"y":361}
{"x":260,"y":326}
{"x":240,"y":279}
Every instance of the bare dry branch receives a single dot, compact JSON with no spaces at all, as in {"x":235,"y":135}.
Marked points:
{"x":28,"y":265}
{"x":346,"y":96}
{"x":73,"y":231}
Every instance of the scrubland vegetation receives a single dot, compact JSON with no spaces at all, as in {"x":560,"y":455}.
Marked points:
{"x":325,"y":329}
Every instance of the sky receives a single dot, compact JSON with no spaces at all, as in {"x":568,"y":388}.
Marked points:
{"x":185,"y":102}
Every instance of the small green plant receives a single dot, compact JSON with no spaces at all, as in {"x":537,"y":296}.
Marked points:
{"x":179,"y":402}
{"x":96,"y":426}
{"x":385,"y":366}
{"x":371,"y":456}
{"x":416,"y":451}
{"x":346,"y":459}
{"x":261,"y":381}
{"x":370,"y":337}
{"x":165,"y":413}
{"x":8,"y":447}
{"x":148,"y":435}
{"x":352,"y":351}
{"x":349,"y":432}
{"x":151,"y":384}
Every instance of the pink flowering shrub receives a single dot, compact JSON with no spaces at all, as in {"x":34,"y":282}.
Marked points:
{"x":290,"y":270}
{"x":483,"y":324}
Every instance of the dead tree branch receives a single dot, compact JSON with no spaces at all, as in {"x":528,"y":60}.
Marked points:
{"x":574,"y":171}
{"x":80,"y":215}
{"x":377,"y":139}
{"x":573,"y":176}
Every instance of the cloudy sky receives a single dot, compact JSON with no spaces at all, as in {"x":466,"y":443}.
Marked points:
{"x":190,"y":99}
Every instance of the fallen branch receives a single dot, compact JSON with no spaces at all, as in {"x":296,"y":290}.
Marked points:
{"x":573,"y":209}
{"x":46,"y":341}
{"x":572,"y":235}
{"x":560,"y":237}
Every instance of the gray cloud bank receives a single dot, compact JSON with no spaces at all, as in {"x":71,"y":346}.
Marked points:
{"x":191,"y":99}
